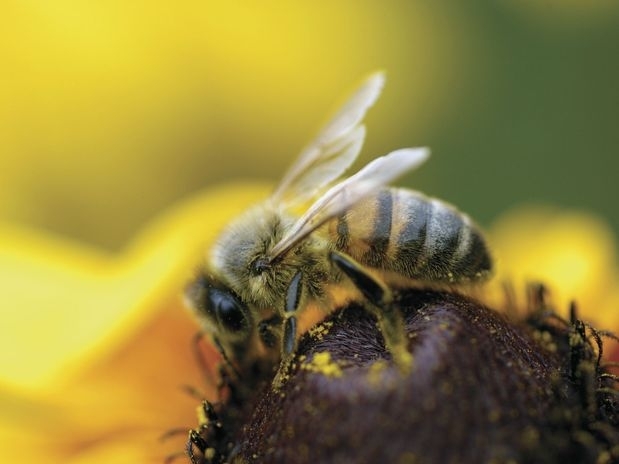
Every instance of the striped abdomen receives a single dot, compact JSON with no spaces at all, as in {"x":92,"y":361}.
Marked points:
{"x":419,"y":237}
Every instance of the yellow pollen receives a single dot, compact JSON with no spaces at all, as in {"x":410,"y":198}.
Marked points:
{"x":323,"y":364}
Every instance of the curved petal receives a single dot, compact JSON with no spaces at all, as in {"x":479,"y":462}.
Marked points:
{"x":573,"y":253}
{"x":64,"y":303}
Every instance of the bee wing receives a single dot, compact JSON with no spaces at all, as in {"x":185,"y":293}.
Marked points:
{"x":343,"y":195}
{"x":333,"y":150}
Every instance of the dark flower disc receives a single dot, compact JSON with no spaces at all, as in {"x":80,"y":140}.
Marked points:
{"x":481,"y":389}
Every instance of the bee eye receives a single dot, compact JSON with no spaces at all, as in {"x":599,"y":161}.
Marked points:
{"x":220,"y":308}
{"x":228,"y":310}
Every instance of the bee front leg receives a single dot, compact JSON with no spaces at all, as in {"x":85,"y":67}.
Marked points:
{"x":293,"y":300}
{"x":289,"y":332}
{"x":379,"y":301}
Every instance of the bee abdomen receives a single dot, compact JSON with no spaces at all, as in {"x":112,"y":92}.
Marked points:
{"x":418,"y":237}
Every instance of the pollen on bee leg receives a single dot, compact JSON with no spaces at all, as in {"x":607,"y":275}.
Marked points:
{"x":379,"y":301}
{"x":311,"y":316}
{"x":286,"y":365}
{"x":391,"y":325}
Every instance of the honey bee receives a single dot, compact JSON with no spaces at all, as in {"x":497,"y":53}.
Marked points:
{"x":270,"y":263}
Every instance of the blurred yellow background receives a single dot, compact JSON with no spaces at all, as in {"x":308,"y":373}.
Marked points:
{"x":110,"y":112}
{"x":124,"y":125}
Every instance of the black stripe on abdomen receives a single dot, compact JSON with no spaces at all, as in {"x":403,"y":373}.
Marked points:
{"x":381,"y":232}
{"x":476,"y":260}
{"x":412,"y":237}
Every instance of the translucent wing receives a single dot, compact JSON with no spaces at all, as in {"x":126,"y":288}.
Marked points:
{"x":333,"y":150}
{"x":343,"y":195}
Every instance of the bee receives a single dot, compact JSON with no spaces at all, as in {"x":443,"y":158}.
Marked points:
{"x":280,"y":256}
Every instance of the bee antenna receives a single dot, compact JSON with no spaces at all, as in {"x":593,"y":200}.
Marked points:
{"x":225,"y":357}
{"x":172,"y":433}
{"x":174,"y":457}
{"x":201,"y":359}
{"x":193,"y":392}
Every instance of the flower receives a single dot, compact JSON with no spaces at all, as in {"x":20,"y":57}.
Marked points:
{"x":96,"y":347}
{"x":572,"y":253}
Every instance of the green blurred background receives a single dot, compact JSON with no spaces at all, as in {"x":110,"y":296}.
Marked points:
{"x":112,"y":111}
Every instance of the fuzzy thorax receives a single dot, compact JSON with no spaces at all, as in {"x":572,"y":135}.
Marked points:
{"x":240,"y":258}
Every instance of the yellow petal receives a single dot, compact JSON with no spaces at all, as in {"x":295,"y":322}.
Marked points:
{"x":573,"y":253}
{"x":119,"y":404}
{"x":65,"y":303}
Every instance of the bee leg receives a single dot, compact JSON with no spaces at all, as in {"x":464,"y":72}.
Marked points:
{"x":290,"y":336}
{"x":195,"y":441}
{"x":208,"y":418}
{"x":379,"y":302}
{"x":293,"y":299}
{"x":289,"y":333}
{"x":269,"y":330}
{"x":210,"y":425}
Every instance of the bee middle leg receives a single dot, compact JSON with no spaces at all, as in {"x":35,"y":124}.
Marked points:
{"x":379,"y":302}
{"x":269,"y":330}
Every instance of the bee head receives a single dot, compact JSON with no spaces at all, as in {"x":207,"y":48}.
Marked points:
{"x":219,"y":309}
